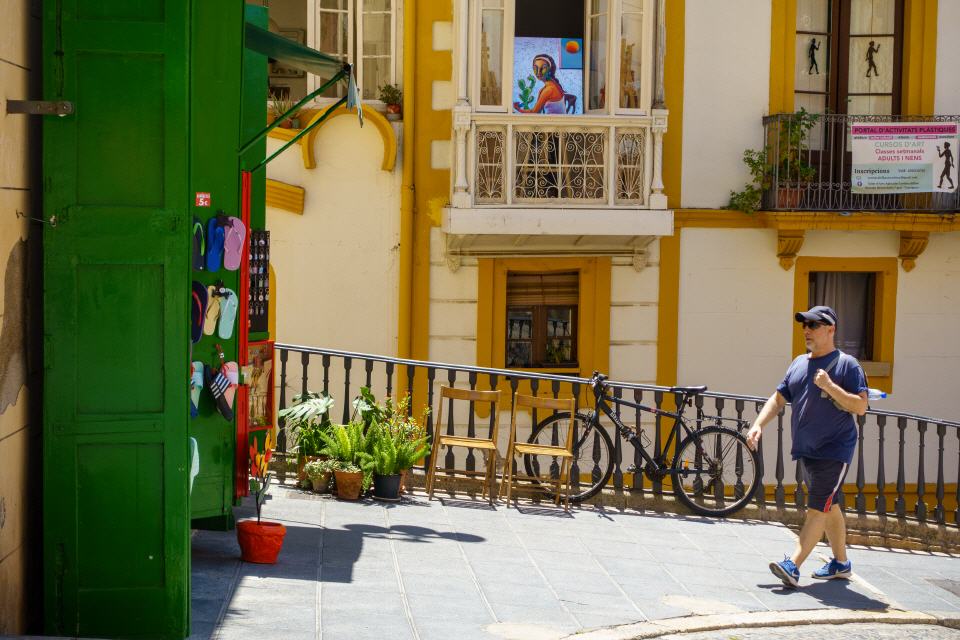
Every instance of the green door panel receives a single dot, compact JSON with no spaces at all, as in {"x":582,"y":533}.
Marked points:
{"x":116,"y":319}
{"x":214,"y":168}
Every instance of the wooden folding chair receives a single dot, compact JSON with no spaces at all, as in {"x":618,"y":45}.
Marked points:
{"x":563,"y":451}
{"x":488,"y":445}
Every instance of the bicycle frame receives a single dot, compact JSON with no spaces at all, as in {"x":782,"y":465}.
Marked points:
{"x":603,"y":401}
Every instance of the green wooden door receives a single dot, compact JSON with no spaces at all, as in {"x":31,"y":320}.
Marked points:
{"x":116,"y":319}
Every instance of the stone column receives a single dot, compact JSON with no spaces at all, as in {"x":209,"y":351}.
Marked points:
{"x":462,"y":110}
{"x":658,"y":199}
{"x":660,"y":47}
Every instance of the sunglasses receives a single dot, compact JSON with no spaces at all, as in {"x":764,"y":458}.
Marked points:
{"x":814,"y":325}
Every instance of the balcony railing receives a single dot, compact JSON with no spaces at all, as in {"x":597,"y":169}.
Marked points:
{"x":827,"y":150}
{"x":560,"y":161}
{"x":905,"y":466}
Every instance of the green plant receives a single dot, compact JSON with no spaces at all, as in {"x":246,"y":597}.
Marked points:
{"x":316,"y":468}
{"x":279,"y":105}
{"x":783,"y":158}
{"x":308,"y":417}
{"x":526,"y":92}
{"x":369,"y":410}
{"x":390,"y":94}
{"x":348,"y":443}
{"x":394,"y":451}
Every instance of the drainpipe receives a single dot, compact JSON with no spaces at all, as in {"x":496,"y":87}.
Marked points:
{"x":405,"y":306}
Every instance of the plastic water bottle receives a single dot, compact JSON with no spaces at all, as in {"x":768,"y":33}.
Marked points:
{"x":876,"y":394}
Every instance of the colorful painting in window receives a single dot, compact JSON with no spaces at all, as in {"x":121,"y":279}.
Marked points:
{"x":548,"y":75}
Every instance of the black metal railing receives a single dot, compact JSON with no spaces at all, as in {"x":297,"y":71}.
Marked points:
{"x":808,"y":165}
{"x":884,"y":480}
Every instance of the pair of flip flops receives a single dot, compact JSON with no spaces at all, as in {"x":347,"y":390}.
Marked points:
{"x":225,"y":242}
{"x":222,"y":305}
{"x":223,"y":385}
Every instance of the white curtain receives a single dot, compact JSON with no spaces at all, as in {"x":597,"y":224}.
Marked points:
{"x":847,"y":293}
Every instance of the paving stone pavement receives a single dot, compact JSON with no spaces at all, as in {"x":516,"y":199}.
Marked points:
{"x":855,"y":631}
{"x":458,"y":568}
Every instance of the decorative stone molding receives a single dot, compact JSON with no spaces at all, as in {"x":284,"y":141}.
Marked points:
{"x":912,"y":244}
{"x":288,"y":197}
{"x":789,"y":242}
{"x":461,"y":125}
{"x":658,"y":199}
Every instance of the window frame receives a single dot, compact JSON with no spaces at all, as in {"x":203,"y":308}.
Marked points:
{"x":355,"y":45}
{"x":593,"y":309}
{"x":614,"y":27}
{"x":879,"y":370}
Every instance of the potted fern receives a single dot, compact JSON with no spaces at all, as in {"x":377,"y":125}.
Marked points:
{"x":350,"y":446}
{"x":307,"y":418}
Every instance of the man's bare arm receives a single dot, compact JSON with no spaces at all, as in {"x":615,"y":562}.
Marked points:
{"x":771,"y":408}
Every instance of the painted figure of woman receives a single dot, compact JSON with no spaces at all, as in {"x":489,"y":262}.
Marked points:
{"x":552,"y":98}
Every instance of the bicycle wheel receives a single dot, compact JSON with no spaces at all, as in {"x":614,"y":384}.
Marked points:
{"x":714,"y":472}
{"x":592,"y":462}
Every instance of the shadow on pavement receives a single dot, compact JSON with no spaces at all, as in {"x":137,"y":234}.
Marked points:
{"x":833,"y":593}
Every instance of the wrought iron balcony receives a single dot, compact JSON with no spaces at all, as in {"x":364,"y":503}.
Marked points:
{"x":511,"y":160}
{"x":810,"y":170}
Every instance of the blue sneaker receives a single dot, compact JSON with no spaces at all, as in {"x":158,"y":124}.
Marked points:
{"x":787,"y":572}
{"x":834,"y":569}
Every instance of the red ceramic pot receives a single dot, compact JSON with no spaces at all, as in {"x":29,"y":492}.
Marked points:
{"x":260,"y":542}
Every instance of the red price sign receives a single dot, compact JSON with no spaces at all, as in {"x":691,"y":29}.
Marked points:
{"x":203,"y":199}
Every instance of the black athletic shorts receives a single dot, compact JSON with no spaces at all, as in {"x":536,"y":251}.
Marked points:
{"x":824,"y":480}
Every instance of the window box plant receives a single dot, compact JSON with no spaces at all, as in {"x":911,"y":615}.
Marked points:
{"x":392,"y":97}
{"x":306,"y":419}
{"x":781,"y":164}
{"x":279,"y":105}
{"x":260,"y":541}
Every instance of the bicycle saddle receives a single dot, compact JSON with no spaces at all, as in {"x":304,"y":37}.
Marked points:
{"x":690,"y":391}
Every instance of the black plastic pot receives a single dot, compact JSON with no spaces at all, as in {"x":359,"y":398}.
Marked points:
{"x":386,"y":487}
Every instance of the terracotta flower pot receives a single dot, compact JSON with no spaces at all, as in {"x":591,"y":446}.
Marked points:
{"x":260,"y":542}
{"x":321,"y":483}
{"x":349,"y":484}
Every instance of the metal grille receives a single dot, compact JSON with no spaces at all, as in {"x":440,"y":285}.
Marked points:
{"x":631,"y":151}
{"x":823,"y":158}
{"x":559,"y":164}
{"x":490,"y":188}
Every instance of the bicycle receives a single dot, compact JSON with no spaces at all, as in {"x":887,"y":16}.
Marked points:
{"x":714,"y":472}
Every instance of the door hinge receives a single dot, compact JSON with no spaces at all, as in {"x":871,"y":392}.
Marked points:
{"x":40,"y":107}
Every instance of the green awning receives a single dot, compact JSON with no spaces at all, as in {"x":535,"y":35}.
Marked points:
{"x":291,"y":54}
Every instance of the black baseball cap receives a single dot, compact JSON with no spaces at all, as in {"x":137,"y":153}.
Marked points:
{"x":826,"y":315}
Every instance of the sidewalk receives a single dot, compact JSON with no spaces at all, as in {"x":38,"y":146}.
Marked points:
{"x":455,"y":568}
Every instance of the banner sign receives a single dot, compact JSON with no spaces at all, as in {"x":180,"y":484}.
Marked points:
{"x":904,"y":157}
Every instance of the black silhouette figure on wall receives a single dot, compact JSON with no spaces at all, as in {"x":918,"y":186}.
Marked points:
{"x":947,"y":156}
{"x":812,"y":57}
{"x":871,"y":64}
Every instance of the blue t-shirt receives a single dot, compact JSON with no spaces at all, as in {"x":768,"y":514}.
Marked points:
{"x":819,"y":427}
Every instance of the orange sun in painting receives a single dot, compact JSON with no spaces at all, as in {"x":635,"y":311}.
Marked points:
{"x":573,"y":46}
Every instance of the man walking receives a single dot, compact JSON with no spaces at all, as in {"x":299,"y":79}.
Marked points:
{"x":826,"y":387}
